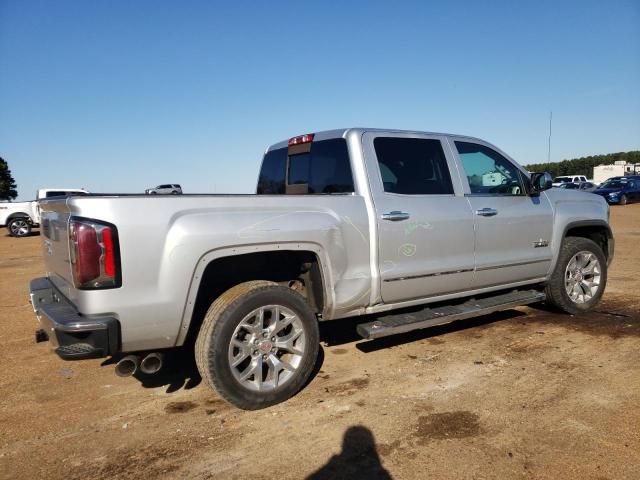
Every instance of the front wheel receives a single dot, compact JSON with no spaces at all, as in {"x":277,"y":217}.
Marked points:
{"x":19,"y":227}
{"x":623,"y":200}
{"x":578,"y":281}
{"x":257,"y":345}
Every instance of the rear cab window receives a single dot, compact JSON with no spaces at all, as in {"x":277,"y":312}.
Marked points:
{"x":56,"y":193}
{"x":317,"y":167}
{"x":61,"y":193}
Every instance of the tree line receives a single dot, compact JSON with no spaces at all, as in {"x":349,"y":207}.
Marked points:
{"x":584,"y":165}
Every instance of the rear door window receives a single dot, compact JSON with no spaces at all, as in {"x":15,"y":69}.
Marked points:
{"x":413,"y":166}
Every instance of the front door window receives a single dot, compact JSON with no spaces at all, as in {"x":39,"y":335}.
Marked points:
{"x":488,"y":172}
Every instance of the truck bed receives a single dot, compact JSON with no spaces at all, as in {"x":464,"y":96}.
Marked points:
{"x":164,"y":239}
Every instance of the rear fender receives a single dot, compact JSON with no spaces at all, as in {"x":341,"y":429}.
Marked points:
{"x":206,"y":259}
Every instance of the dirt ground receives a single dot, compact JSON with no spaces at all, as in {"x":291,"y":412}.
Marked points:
{"x":527,"y":393}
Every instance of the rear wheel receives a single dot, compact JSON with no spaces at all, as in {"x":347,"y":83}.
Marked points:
{"x":258,"y":344}
{"x":580,"y":276}
{"x":19,"y":227}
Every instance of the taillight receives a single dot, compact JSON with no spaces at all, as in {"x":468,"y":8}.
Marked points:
{"x":307,"y":138}
{"x":109,"y":260}
{"x":94,"y":254}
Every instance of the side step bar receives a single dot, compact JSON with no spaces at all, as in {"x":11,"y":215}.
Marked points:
{"x":430,"y":317}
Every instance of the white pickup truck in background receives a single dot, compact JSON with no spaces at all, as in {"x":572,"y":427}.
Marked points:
{"x":21,"y":217}
{"x":558,"y":181}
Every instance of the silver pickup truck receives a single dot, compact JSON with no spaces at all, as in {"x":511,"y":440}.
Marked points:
{"x":344,"y":223}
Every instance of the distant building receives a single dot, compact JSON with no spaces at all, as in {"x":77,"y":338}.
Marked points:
{"x":618,"y":169}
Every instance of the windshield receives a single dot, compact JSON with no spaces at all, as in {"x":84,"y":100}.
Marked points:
{"x":562,"y":179}
{"x":614,"y":184}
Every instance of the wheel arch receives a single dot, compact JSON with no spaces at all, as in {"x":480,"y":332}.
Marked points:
{"x":598,"y":231}
{"x":220,"y":270}
{"x":19,"y":215}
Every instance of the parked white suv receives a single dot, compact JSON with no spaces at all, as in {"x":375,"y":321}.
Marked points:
{"x":170,"y":188}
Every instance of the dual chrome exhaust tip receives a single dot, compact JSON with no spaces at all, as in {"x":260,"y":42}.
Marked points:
{"x":149,"y":364}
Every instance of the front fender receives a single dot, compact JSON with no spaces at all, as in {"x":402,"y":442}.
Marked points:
{"x":578,"y":210}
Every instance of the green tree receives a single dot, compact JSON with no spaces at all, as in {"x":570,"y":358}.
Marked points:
{"x":7,"y":183}
{"x":584,"y":165}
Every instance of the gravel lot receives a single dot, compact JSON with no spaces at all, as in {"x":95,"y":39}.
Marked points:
{"x":527,"y":393}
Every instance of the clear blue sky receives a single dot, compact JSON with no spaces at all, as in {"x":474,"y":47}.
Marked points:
{"x":118,"y":96}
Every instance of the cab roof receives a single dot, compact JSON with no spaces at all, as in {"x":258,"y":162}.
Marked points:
{"x":343,"y":132}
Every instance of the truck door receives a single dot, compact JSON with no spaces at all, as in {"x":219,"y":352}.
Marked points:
{"x":424,"y":222}
{"x":512,"y":229}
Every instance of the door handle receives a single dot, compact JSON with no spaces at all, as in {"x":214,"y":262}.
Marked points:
{"x":395,"y":216}
{"x":487,"y":212}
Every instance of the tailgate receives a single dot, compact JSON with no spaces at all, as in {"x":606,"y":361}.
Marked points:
{"x":54,"y":225}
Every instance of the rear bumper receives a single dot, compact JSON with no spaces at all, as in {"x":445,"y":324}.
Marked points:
{"x":73,"y":336}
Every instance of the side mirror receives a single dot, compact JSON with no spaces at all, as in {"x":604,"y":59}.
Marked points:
{"x":540,"y":182}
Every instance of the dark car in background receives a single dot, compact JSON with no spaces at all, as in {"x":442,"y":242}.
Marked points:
{"x":620,"y":190}
{"x":587,"y":187}
{"x":569,"y":186}
{"x":582,"y":186}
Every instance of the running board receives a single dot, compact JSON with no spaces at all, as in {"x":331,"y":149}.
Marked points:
{"x":430,"y":317}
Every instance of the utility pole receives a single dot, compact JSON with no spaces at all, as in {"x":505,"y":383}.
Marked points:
{"x":549,"y":152}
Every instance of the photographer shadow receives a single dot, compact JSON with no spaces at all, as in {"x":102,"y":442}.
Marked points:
{"x":358,"y":459}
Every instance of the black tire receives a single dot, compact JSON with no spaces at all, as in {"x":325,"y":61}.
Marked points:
{"x":224,"y":316}
{"x":623,"y":199}
{"x":154,"y":193}
{"x":174,"y":193}
{"x":19,"y":227}
{"x":556,"y":289}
